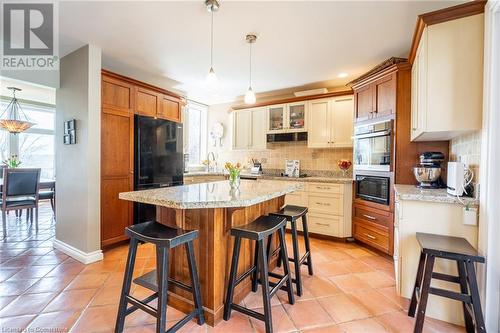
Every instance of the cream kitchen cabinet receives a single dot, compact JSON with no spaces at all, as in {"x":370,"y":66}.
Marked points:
{"x":329,"y":208}
{"x":249,"y":129}
{"x":203,"y":179}
{"x":330,"y":122}
{"x":287,"y":118}
{"x":447,"y":80}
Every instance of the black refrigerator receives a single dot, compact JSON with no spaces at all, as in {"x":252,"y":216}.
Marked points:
{"x":158,"y":159}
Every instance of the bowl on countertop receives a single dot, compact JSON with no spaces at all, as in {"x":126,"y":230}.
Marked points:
{"x":426,"y":174}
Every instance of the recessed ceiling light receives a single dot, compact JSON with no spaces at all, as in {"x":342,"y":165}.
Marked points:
{"x":342,"y":75}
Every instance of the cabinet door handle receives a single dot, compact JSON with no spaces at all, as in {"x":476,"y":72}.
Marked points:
{"x":414,"y":128}
{"x":322,"y":187}
{"x":323,"y":224}
{"x":322,"y":204}
{"x":370,"y":236}
{"x":369,"y":217}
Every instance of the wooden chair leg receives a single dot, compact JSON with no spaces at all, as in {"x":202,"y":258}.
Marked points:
{"x":162,"y":278}
{"x":296,"y":258}
{"x":195,"y":282}
{"x":474,"y":291}
{"x":305,"y":230}
{"x":36,"y":217}
{"x":418,"y":283}
{"x":232,"y":278}
{"x":4,"y":223}
{"x":462,"y":276}
{"x":424,"y":294}
{"x":264,"y":278}
{"x":127,"y":282}
{"x":286,"y":265}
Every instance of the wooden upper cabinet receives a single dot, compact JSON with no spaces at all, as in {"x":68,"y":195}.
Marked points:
{"x":385,"y":94}
{"x":170,"y":108}
{"x":147,"y":102}
{"x":364,"y":102}
{"x":116,"y":94}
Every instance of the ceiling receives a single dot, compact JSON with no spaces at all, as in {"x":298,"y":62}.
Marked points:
{"x":299,"y":42}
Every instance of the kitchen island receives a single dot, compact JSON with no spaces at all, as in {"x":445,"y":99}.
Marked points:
{"x":213,"y":209}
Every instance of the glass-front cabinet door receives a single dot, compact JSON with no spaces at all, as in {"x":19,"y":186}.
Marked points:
{"x":277,"y":118}
{"x":296,"y":117}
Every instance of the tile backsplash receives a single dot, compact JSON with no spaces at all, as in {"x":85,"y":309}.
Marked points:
{"x":315,"y":161}
{"x":467,"y":149}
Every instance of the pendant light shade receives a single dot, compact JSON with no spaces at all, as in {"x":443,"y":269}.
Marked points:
{"x":212,"y":7}
{"x":250,"y":95}
{"x":13,"y":119}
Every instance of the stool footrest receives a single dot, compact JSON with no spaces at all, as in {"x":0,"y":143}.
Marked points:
{"x":148,"y":281}
{"x":445,"y":277}
{"x":450,"y":294}
{"x":182,"y":322}
{"x":244,"y":275}
{"x":140,"y":305}
{"x":247,"y":311}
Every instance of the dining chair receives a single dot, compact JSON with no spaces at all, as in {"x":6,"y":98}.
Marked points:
{"x":20,"y":191}
{"x":49,"y":194}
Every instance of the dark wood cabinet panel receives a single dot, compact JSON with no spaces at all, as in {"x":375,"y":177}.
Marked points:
{"x":116,"y":94}
{"x":117,"y":133}
{"x":363,"y":100}
{"x":147,"y":102}
{"x":373,"y":235}
{"x":385,"y":95}
{"x":170,"y":108}
{"x":116,"y":214}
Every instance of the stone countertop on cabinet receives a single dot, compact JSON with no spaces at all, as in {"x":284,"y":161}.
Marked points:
{"x":213,"y":194}
{"x":413,"y":193}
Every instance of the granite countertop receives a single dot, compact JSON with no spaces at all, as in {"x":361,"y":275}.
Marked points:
{"x":213,"y":194}
{"x":411,"y":192}
{"x":312,"y":179}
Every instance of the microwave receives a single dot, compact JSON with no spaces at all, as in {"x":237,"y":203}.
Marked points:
{"x":373,"y":188}
{"x":373,"y":146}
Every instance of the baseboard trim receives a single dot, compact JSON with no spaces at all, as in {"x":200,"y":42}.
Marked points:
{"x":73,"y":252}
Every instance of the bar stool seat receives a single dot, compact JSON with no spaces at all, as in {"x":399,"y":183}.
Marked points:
{"x":258,"y":230}
{"x":292,"y":213}
{"x":451,"y":248}
{"x":164,"y":238}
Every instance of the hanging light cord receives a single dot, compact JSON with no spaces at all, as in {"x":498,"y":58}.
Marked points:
{"x":212,"y":42}
{"x":250,"y":65}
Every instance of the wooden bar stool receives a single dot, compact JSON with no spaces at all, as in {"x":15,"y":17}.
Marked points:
{"x":292,"y":214}
{"x":461,"y":251}
{"x":258,"y":231}
{"x":164,"y":238}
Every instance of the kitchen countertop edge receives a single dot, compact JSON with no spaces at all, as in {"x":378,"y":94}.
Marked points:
{"x":413,"y":193}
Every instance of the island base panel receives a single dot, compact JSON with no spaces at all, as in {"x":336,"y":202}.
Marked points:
{"x":213,"y":252}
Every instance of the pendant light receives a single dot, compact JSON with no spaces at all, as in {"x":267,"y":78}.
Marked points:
{"x":212,"y":7}
{"x":250,"y":95}
{"x":13,"y":119}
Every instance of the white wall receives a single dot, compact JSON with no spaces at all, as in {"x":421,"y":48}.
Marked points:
{"x":40,"y":77}
{"x":78,"y":165}
{"x":489,"y":222}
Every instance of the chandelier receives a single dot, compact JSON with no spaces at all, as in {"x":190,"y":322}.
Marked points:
{"x":13,"y":119}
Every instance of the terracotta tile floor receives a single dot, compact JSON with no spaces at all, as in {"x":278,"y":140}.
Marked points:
{"x":43,"y":289}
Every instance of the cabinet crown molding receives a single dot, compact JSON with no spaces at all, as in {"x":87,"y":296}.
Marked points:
{"x":443,"y":15}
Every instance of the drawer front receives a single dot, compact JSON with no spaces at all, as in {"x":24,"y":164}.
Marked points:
{"x":373,"y":215}
{"x":324,"y":224}
{"x":325,"y":188}
{"x":328,"y":204}
{"x":372,"y":236}
{"x":296,"y":198}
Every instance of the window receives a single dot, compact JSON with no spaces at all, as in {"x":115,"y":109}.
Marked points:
{"x":195,"y":132}
{"x":34,"y":147}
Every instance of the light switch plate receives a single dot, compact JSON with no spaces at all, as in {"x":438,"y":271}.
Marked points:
{"x":469,"y":215}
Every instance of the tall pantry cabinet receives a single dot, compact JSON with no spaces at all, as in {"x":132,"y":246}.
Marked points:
{"x":121,"y":99}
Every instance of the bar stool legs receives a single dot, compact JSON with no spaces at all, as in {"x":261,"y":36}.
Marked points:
{"x":127,"y":282}
{"x":308,"y":245}
{"x":193,"y":272}
{"x":232,"y":278}
{"x":162,"y":280}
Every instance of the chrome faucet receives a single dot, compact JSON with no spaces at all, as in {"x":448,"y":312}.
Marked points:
{"x":210,"y":167}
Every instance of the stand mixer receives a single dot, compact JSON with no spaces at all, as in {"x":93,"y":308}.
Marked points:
{"x":428,"y":174}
